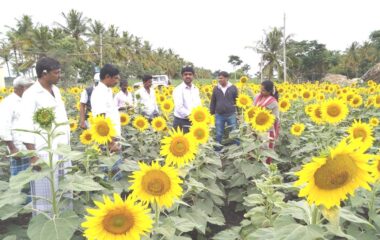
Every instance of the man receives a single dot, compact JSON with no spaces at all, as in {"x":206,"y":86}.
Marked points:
{"x":10,"y":116}
{"x":186,"y":97}
{"x":222,"y":104}
{"x":44,"y":94}
{"x":102,"y":100}
{"x":124,"y":99}
{"x":146,"y":99}
{"x":85,"y":102}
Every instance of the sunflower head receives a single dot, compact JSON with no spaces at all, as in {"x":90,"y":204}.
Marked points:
{"x":156,"y":183}
{"x":200,"y":132}
{"x":243,"y":101}
{"x":250,"y":113}
{"x":118,"y":219}
{"x":243,"y":80}
{"x":140,"y":123}
{"x":374,"y":122}
{"x":178,"y":148}
{"x":86,"y":137}
{"x":44,"y":117}
{"x":334,"y":111}
{"x":199,"y":115}
{"x":297,"y":129}
{"x":356,"y":101}
{"x":158,"y":124}
{"x":124,"y":119}
{"x":284,"y":105}
{"x":73,"y":125}
{"x":361,"y":131}
{"x":167,"y":106}
{"x":328,"y":179}
{"x":263,"y":120}
{"x":102,"y":129}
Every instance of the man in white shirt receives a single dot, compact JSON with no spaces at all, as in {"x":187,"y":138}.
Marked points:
{"x":186,"y":97}
{"x":85,"y":102}
{"x":146,"y":99}
{"x":102,"y":102}
{"x":124,"y":99}
{"x":44,"y":94}
{"x":9,"y":118}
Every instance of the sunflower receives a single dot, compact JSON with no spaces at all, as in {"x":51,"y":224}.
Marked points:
{"x":118,"y":219}
{"x":160,"y":98}
{"x":156,"y":183}
{"x":307,"y":95}
{"x":297,"y":129}
{"x":158,"y":124}
{"x":263,"y":120}
{"x":362,"y":132}
{"x":102,"y":129}
{"x":374,"y":122}
{"x":334,"y":111}
{"x":44,"y":117}
{"x":200,"y":132}
{"x":178,"y":148}
{"x":327,"y":180}
{"x":356,"y":101}
{"x":141,"y":123}
{"x":376,"y":102}
{"x":199,"y":115}
{"x":249,"y":114}
{"x":243,"y":80}
{"x":316,"y":114}
{"x":243,"y":101}
{"x":284,"y":105}
{"x":73,"y":125}
{"x":86,"y":137}
{"x":376,"y":167}
{"x":124,"y":119}
{"x":167,"y":106}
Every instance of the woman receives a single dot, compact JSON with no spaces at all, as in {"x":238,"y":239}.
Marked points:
{"x":268,"y":98}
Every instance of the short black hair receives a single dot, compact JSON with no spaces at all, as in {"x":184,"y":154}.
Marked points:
{"x":46,"y":64}
{"x":122,"y":82}
{"x":110,"y":70}
{"x":187,"y":68}
{"x":146,"y":78}
{"x":224,"y":74}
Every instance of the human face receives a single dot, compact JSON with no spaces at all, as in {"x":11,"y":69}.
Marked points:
{"x":264,"y":92}
{"x":187,"y":77}
{"x":112,"y":81}
{"x":124,"y":87}
{"x":53,"y":76}
{"x":222,"y":80}
{"x":148,"y":84}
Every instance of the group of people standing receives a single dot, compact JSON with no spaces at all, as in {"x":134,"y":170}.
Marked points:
{"x":18,"y":108}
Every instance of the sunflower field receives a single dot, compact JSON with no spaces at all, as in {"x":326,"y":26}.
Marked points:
{"x":323,"y":182}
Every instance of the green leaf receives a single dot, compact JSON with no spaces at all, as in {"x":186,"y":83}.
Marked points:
{"x":350,"y":216}
{"x":12,"y":197}
{"x":229,"y":234}
{"x":79,"y":183}
{"x":8,"y":211}
{"x":60,"y":228}
{"x":182,"y":224}
{"x":13,"y":237}
{"x":299,"y":232}
{"x":24,"y":177}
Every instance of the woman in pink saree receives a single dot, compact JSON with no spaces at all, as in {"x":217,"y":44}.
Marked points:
{"x":268,"y":98}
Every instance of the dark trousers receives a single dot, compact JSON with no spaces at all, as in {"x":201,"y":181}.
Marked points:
{"x":183,"y":124}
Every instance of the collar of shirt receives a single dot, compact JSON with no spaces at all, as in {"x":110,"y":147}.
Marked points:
{"x":103,"y":87}
{"x":227,"y":86}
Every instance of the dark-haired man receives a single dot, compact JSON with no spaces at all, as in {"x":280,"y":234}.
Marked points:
{"x":85,"y":102}
{"x":102,"y":102}
{"x":223,"y":101}
{"x":186,"y":97}
{"x":146,"y":99}
{"x":44,"y":94}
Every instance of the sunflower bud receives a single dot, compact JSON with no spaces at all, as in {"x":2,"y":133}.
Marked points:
{"x":44,"y":117}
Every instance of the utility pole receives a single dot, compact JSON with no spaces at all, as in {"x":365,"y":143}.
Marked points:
{"x":101,"y":50}
{"x":284,"y":49}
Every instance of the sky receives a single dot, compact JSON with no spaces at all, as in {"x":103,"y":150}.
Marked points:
{"x":206,"y":32}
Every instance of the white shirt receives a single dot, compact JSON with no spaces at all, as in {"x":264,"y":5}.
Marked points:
{"x":9,"y":118}
{"x":102,"y":103}
{"x":83,"y":97}
{"x":185,"y":99}
{"x":147,"y":101}
{"x":123,"y":100}
{"x":37,"y":97}
{"x":224,"y":89}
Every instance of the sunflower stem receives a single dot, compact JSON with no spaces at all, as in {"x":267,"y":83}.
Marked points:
{"x":373,"y":198}
{"x":315,"y":215}
{"x":157,"y":213}
{"x":52,"y":175}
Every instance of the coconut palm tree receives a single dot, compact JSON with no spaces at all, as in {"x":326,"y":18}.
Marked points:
{"x":75,"y":23}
